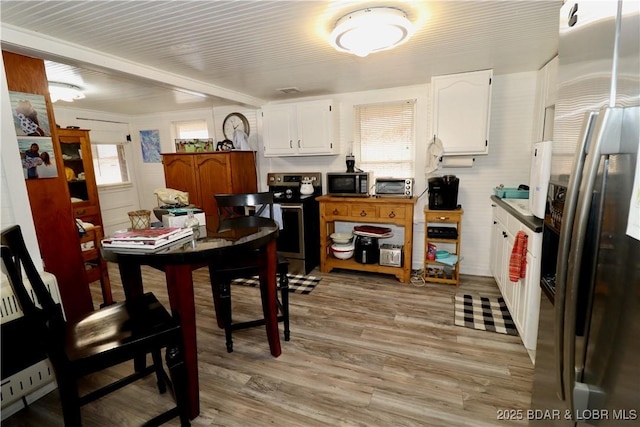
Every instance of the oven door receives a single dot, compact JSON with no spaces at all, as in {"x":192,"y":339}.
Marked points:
{"x":291,"y":237}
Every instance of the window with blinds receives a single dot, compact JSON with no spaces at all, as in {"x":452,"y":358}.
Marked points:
{"x":385,"y":133}
{"x":192,"y":129}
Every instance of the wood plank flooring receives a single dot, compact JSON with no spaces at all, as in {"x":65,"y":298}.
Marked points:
{"x":365,"y":350}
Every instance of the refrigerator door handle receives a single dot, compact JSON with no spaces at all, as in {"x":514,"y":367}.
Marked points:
{"x":565,"y":243}
{"x":607,"y":133}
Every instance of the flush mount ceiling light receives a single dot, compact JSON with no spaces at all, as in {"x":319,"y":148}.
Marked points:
{"x":64,"y":92}
{"x":371,"y":30}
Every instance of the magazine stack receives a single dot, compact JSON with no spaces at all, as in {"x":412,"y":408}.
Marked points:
{"x":149,"y":240}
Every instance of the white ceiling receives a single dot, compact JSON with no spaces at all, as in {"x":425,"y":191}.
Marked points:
{"x":139,"y":57}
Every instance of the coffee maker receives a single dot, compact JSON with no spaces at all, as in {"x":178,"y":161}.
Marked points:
{"x":443,"y":192}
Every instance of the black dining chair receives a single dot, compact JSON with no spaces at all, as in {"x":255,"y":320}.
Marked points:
{"x":98,"y":340}
{"x":245,"y":209}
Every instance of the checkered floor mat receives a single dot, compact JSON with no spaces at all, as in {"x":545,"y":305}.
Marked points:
{"x":298,"y":283}
{"x":487,"y":314}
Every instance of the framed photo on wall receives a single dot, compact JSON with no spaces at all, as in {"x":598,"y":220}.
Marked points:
{"x":150,"y":144}
{"x":29,"y":114}
{"x":37,"y":157}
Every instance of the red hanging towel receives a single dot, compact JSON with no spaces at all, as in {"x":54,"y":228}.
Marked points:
{"x":518,"y":261}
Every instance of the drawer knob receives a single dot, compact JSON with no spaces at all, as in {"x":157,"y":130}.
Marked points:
{"x":392,"y":214}
{"x":335,"y":212}
{"x":363,"y":213}
{"x":80,"y":212}
{"x":442,"y":218}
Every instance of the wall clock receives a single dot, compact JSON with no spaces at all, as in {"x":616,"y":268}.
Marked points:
{"x":232,"y":122}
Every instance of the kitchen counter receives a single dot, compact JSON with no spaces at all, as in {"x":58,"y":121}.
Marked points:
{"x":529,"y":221}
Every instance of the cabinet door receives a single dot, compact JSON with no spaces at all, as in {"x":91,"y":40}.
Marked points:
{"x":461,"y":107}
{"x":315,"y":124}
{"x":178,"y":174}
{"x":502,"y":262}
{"x":280,"y":137}
{"x":78,"y":168}
{"x":508,"y":287}
{"x":495,"y":258}
{"x":521,"y":316}
{"x":213,"y":175}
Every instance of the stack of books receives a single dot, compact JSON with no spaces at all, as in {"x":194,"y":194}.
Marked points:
{"x":147,"y":240}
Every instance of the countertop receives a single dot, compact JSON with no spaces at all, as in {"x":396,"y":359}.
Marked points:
{"x":529,"y":221}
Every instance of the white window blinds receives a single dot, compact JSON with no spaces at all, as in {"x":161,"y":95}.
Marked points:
{"x":385,"y":133}
{"x":192,"y":130}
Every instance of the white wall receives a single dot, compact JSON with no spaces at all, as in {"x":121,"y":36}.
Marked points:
{"x":512,"y":112}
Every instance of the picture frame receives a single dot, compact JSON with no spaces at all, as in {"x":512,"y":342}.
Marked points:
{"x":194,"y":145}
{"x":150,"y":145}
{"x":37,"y":157}
{"x":30,"y":115}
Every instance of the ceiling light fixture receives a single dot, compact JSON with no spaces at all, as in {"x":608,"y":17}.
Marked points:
{"x":64,"y":92}
{"x":371,"y":30}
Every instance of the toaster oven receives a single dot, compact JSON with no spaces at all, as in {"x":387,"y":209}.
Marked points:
{"x":394,"y":187}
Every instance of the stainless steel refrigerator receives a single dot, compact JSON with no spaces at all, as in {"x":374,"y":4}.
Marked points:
{"x":587,"y":369}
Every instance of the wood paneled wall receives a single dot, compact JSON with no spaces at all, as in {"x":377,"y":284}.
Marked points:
{"x":50,"y":200}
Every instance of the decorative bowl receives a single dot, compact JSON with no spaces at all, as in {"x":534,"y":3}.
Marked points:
{"x":442,"y":254}
{"x":342,"y":251}
{"x":342,"y":238}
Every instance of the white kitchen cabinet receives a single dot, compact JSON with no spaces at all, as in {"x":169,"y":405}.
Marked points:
{"x":522,"y":297}
{"x":498,"y":241}
{"x":546,"y":95}
{"x":461,"y":112}
{"x":300,"y":129}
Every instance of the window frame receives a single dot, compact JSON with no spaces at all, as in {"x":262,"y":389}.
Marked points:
{"x":377,"y":111}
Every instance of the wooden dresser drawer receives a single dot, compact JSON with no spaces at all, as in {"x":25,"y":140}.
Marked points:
{"x":392,"y":212}
{"x":82,"y":211}
{"x":336,"y":209}
{"x":362,"y":211}
{"x":444,"y":216}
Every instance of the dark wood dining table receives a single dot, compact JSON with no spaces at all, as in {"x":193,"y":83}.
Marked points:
{"x":180,"y":259}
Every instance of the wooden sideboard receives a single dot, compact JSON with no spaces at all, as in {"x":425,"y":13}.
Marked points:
{"x":204,"y":174}
{"x":370,"y":210}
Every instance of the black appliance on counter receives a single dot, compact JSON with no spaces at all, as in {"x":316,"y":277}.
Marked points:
{"x":443,"y":192}
{"x":367,"y":250}
{"x":299,"y":238}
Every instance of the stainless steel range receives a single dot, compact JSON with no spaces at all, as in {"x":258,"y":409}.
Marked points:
{"x":299,"y":239}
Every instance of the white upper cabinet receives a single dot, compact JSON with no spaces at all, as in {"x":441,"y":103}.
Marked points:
{"x":546,"y":95}
{"x":461,"y":112}
{"x":300,"y":129}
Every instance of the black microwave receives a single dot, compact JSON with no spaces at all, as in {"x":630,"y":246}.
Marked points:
{"x":349,"y":184}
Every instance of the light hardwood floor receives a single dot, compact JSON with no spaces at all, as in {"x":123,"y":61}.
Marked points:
{"x":365,"y":350}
